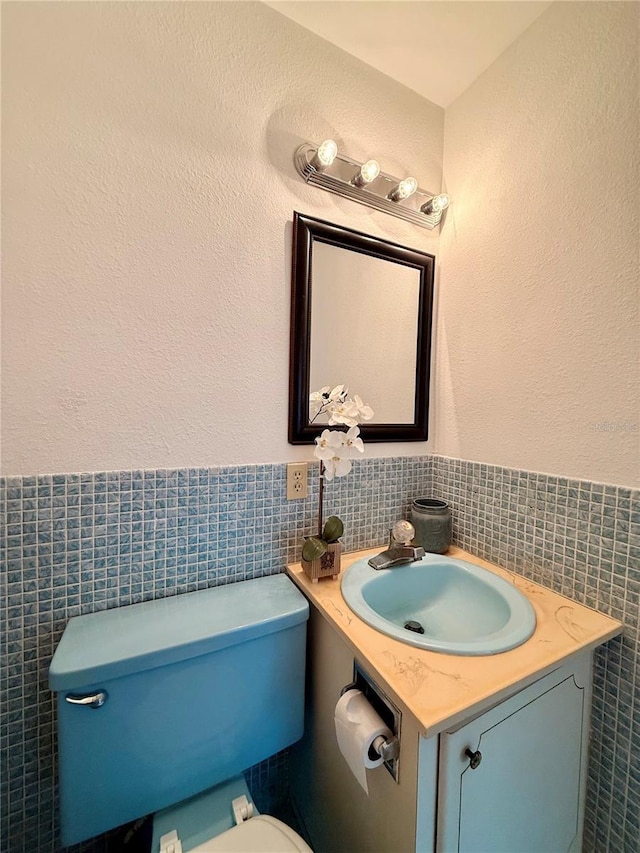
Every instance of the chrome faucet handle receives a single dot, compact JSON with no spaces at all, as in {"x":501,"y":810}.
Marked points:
{"x":401,"y":533}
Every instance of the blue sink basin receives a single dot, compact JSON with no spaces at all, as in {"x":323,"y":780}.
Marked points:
{"x":461,"y":608}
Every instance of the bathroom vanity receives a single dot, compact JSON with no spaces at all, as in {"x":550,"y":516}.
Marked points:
{"x":493,"y":749}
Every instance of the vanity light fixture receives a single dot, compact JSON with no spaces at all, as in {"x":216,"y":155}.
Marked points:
{"x":325,"y":167}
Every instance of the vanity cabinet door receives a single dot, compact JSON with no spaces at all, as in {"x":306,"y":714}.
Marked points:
{"x":520,"y":786}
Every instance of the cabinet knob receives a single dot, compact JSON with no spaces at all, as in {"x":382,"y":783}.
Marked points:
{"x":474,"y":758}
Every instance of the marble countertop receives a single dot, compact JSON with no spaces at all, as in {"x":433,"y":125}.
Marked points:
{"x":441,"y":690}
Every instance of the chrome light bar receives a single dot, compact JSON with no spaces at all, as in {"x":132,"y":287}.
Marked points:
{"x":323,"y":166}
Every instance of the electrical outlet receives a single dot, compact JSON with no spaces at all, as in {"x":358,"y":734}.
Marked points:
{"x":296,"y":480}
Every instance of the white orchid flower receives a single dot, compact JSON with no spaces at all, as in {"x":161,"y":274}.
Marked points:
{"x":317,"y":399}
{"x":336,"y":466}
{"x":329,"y":444}
{"x":343,"y":413}
{"x":338,"y":394}
{"x":365,"y":413}
{"x":353,"y":444}
{"x":330,"y":449}
{"x":336,"y":448}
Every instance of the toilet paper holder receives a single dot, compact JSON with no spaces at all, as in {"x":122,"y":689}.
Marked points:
{"x":387,"y":748}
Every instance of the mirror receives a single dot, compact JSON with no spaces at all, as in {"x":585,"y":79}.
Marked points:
{"x":361,"y":314}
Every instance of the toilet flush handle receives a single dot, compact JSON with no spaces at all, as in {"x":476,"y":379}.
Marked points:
{"x":93,"y":700}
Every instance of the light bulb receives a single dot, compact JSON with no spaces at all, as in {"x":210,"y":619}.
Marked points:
{"x":404,"y":189}
{"x":325,"y":155}
{"x":436,"y":204}
{"x":369,"y":171}
{"x":440,"y":202}
{"x":407,"y":187}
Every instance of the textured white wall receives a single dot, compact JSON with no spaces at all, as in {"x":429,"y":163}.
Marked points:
{"x":148,"y":194}
{"x":148,"y":189}
{"x":538,"y":360}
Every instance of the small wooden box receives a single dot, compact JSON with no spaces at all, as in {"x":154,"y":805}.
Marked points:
{"x":328,"y":565}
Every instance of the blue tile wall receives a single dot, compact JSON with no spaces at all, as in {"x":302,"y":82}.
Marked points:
{"x":76,"y":543}
{"x":581,"y":539}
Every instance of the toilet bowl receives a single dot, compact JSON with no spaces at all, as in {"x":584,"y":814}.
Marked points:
{"x":162,"y":706}
{"x":260,"y":834}
{"x":208,"y":823}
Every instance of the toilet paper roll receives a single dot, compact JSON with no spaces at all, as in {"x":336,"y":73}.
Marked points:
{"x":357,"y":726}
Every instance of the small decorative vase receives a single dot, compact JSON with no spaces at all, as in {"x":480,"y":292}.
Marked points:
{"x":328,"y":565}
{"x":432,"y":521}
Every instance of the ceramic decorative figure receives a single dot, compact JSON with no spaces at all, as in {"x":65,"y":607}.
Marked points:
{"x":432,"y":520}
{"x":335,"y":449}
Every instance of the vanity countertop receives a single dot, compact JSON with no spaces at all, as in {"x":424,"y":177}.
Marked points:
{"x":441,"y":690}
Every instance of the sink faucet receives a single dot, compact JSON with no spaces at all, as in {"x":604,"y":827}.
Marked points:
{"x":399,"y":551}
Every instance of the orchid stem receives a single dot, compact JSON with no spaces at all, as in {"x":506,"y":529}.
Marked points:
{"x":320,"y":498}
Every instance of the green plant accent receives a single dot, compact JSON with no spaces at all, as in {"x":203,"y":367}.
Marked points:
{"x":333,"y":529}
{"x":315,"y":546}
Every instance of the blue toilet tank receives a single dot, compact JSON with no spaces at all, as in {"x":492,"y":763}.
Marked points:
{"x":198,"y":687}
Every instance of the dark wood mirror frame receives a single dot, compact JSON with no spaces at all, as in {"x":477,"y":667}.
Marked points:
{"x":306,"y":231}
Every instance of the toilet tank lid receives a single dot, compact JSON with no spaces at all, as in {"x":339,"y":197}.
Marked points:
{"x":112,"y":643}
